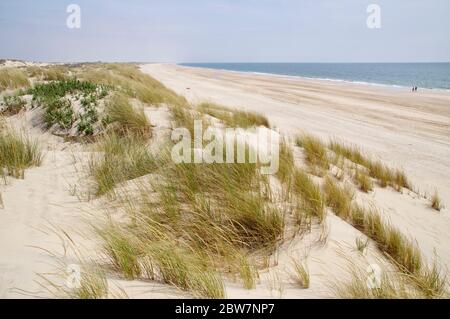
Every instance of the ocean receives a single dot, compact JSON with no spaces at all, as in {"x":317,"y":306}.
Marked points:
{"x":422,"y":75}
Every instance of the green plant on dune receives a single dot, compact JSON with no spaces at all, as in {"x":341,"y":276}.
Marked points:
{"x":11,"y":104}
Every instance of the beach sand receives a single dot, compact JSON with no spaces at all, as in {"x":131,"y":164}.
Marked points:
{"x":403,"y":129}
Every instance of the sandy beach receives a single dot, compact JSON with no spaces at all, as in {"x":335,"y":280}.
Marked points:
{"x":403,"y":129}
{"x":406,"y":130}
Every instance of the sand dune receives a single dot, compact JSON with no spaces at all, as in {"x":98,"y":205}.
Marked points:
{"x":404,"y":129}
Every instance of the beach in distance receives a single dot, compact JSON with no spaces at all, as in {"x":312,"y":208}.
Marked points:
{"x":424,"y":75}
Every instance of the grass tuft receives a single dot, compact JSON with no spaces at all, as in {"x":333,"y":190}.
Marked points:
{"x":436,"y":202}
{"x":363,"y":181}
{"x":121,"y":158}
{"x":315,"y":151}
{"x":127,"y":117}
{"x":301,"y":274}
{"x":338,"y":198}
{"x":18,"y":152}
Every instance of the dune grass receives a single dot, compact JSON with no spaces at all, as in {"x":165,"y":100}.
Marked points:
{"x":301,"y":274}
{"x":120,"y":158}
{"x":363,"y":181}
{"x":13,"y":78}
{"x":391,"y":285}
{"x":402,"y":250}
{"x":310,"y":195}
{"x":93,"y":285}
{"x":338,"y":198}
{"x":286,"y":162}
{"x":133,"y":82}
{"x":194,"y":221}
{"x":376,"y":169}
{"x":234,"y":118}
{"x":315,"y":151}
{"x":436,"y":202}
{"x":148,"y":251}
{"x":50,"y":73}
{"x":18,"y":152}
{"x":127,"y":118}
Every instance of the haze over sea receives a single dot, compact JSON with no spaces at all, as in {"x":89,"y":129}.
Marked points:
{"x":422,"y":75}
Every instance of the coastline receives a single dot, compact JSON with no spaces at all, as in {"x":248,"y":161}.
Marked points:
{"x":338,"y":80}
{"x":361,"y":114}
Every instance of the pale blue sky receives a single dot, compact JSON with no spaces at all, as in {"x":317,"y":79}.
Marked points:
{"x":226,"y":31}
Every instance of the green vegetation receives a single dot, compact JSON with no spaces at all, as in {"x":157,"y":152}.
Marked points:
{"x":54,"y":97}
{"x":11,"y":104}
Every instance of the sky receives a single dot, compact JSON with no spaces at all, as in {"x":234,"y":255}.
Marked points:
{"x":226,"y":31}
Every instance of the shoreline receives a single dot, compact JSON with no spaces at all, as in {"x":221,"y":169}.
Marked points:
{"x":301,"y":77}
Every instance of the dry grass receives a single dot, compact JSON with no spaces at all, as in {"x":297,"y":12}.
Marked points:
{"x":390,"y":285}
{"x":50,"y":73}
{"x":363,"y":181}
{"x":192,"y":222}
{"x":234,"y":118}
{"x":286,"y":162}
{"x":436,"y":202}
{"x":310,"y":195}
{"x":402,"y":251}
{"x":376,"y":169}
{"x":13,"y":78}
{"x":315,"y":151}
{"x":121,"y":158}
{"x":133,"y":82}
{"x":301,"y":274}
{"x":128,"y":118}
{"x":18,"y":152}
{"x":338,"y":198}
{"x":93,"y":285}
